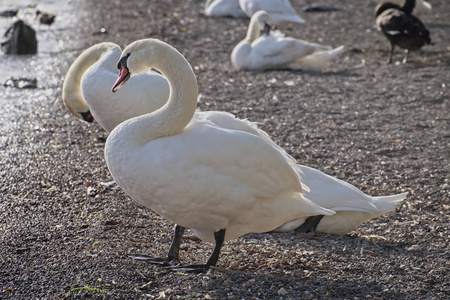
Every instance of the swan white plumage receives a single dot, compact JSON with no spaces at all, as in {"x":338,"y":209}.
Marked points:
{"x":353,"y":207}
{"x":224,"y":8}
{"x":280,"y":11}
{"x":272,"y":50}
{"x":420,"y":4}
{"x":90,"y":77}
{"x":221,"y":183}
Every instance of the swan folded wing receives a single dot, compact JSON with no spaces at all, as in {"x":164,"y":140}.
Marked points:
{"x":279,"y":52}
{"x":272,"y":7}
{"x":228,"y":121}
{"x":208,"y":178}
{"x":223,"y":8}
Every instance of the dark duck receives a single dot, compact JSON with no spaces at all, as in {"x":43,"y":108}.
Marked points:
{"x":401,"y":27}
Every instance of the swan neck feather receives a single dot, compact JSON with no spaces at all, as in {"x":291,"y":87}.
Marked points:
{"x":254,"y":30}
{"x":71,"y":92}
{"x":178,"y":111}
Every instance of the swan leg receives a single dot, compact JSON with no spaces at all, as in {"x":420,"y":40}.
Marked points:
{"x":310,"y":224}
{"x":219,"y":236}
{"x":174,"y":251}
{"x":406,"y":57}
{"x":390,"y":54}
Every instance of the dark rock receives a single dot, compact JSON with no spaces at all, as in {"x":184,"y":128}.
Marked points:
{"x":45,"y":17}
{"x":21,"y":83}
{"x":321,"y":8}
{"x":8,"y":13}
{"x":20,"y":38}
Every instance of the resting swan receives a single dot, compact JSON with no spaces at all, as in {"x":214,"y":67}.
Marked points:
{"x":224,"y":8}
{"x":352,"y":205}
{"x":281,"y":11}
{"x":272,"y":50}
{"x":90,"y":77}
{"x":212,"y":182}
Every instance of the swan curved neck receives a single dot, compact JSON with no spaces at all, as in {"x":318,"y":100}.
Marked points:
{"x":208,"y":3}
{"x":408,"y":6}
{"x":178,"y":111}
{"x":253,"y":31}
{"x":71,"y":91}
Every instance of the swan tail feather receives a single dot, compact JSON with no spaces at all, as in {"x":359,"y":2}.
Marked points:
{"x":388,"y":203}
{"x":318,"y":60}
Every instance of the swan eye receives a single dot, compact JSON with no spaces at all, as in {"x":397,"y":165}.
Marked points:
{"x":123,"y":61}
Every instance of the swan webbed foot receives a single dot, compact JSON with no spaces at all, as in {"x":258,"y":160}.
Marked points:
{"x":173,"y":256}
{"x":163,"y":261}
{"x":193,"y":269}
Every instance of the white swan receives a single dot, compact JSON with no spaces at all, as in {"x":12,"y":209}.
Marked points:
{"x":224,"y":8}
{"x":280,"y":11}
{"x":221,"y":183}
{"x":420,"y":4}
{"x":353,"y":206}
{"x":272,"y":50}
{"x":90,"y":77}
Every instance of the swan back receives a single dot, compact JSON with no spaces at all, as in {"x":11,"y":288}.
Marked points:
{"x":224,"y":8}
{"x":280,"y":11}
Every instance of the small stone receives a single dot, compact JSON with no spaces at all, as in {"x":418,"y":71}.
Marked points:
{"x":282,"y":292}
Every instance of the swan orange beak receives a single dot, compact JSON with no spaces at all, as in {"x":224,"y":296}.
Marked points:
{"x":124,"y":74}
{"x":87,"y":116}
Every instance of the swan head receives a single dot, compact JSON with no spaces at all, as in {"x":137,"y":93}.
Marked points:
{"x":80,"y":111}
{"x":72,"y":100}
{"x":262,"y":18}
{"x":260,"y":24}
{"x":267,"y":28}
{"x":134,"y":61}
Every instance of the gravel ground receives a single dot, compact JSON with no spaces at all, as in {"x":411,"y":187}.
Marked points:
{"x":66,"y":233}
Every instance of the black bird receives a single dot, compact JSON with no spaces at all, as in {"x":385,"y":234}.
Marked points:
{"x":401,"y":27}
{"x":45,"y":17}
